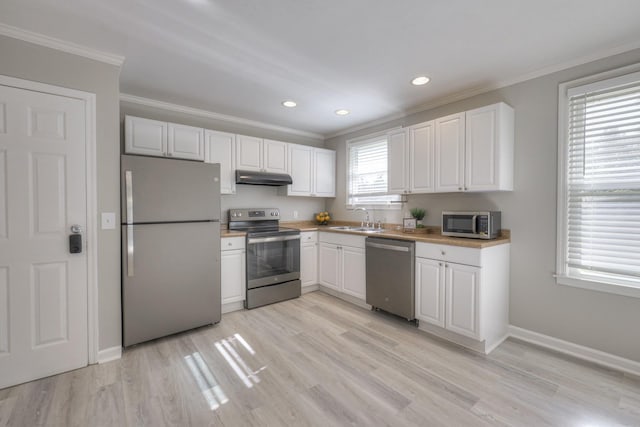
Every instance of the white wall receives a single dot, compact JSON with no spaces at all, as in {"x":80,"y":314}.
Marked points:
{"x":246,"y":196}
{"x":31,"y":62}
{"x":598,"y":320}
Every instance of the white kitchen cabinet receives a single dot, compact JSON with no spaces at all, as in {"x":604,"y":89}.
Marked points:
{"x":474,"y":150}
{"x":261,"y":155}
{"x":220,"y":147}
{"x":329,"y":274}
{"x":342,"y":263}
{"x":145,"y":136}
{"x":464,"y":292}
{"x":233,"y":271}
{"x":309,"y":258}
{"x":312,"y":170}
{"x":461,"y":296}
{"x":185,"y":142}
{"x":489,"y":147}
{"x":411,"y":159}
{"x":449,"y":153}
{"x":397,"y":156}
{"x":162,"y":139}
{"x":430,"y":289}
{"x":353,"y":278}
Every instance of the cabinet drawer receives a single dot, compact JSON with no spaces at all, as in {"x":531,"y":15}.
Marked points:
{"x":455,"y":254}
{"x":343,"y":239}
{"x":309,"y":237}
{"x":232,"y":243}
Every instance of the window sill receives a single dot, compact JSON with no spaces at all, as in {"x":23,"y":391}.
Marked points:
{"x":610,"y":288}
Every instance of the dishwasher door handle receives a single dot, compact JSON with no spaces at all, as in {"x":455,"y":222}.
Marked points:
{"x":388,"y":247}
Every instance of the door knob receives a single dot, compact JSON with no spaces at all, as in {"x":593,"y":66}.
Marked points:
{"x":76,"y":229}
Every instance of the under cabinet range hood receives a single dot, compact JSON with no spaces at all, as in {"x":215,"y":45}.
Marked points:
{"x":262,"y":178}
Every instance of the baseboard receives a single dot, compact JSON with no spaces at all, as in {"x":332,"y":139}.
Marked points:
{"x":232,"y":306}
{"x":109,"y":354}
{"x":345,"y":297}
{"x":581,"y":352}
{"x":310,"y":288}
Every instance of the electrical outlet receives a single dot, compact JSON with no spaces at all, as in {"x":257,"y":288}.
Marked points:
{"x":108,"y":220}
{"x":295,"y":214}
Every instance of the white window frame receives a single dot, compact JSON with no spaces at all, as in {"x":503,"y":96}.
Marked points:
{"x":361,"y":140}
{"x":619,"y":287}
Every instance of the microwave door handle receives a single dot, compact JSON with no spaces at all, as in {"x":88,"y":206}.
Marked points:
{"x":474,"y":224}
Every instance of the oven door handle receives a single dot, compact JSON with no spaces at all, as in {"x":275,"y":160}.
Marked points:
{"x":252,"y":240}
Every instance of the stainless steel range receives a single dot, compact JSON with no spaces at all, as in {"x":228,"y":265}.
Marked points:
{"x":273,"y":256}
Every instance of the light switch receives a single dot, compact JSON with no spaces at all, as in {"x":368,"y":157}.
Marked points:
{"x":108,"y":220}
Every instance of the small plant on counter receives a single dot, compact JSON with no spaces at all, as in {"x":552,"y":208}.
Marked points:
{"x":418,"y":214}
{"x":323,"y":218}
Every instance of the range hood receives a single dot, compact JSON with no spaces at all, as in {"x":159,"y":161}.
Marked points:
{"x":263,"y":178}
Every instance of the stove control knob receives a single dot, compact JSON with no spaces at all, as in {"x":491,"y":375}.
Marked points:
{"x":239,"y":213}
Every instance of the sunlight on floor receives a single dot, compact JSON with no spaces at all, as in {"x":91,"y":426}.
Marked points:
{"x":228,"y":348}
{"x":209,"y":387}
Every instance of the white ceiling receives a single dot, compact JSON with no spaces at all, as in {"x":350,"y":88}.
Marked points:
{"x":243,"y":57}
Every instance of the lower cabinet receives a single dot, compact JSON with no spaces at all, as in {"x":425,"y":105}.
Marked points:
{"x":309,"y":258}
{"x":233,"y":270}
{"x":342,"y":264}
{"x":464,"y":291}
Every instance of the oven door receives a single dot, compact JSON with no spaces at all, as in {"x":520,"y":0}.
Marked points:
{"x":272,"y":259}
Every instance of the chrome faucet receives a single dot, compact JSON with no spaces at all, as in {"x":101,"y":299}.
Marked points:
{"x":365,"y":221}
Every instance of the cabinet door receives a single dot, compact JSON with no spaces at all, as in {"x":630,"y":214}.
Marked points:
{"x":421,"y":158}
{"x":145,"y":136}
{"x":462,"y":283}
{"x":309,"y":264}
{"x":449,"y":153}
{"x":489,"y":148}
{"x":220,"y":147}
{"x":232,"y":275}
{"x":275,"y":156}
{"x":329,"y":266}
{"x":397,"y":167}
{"x":430,"y":291}
{"x":301,"y":170}
{"x":354,"y":272}
{"x":324,"y":173}
{"x":248,"y":153}
{"x":185,"y":142}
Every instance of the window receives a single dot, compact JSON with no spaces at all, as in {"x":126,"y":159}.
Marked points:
{"x":367,"y":174}
{"x":599,"y":185}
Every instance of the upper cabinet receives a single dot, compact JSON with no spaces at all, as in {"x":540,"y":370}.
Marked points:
{"x":313,"y":171}
{"x":261,"y":155}
{"x":220,"y":147}
{"x":474,"y":150}
{"x":410,"y":159}
{"x":156,"y":138}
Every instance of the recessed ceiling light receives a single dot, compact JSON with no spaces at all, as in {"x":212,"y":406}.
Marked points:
{"x":289,"y":103}
{"x":420,"y":80}
{"x":342,"y":112}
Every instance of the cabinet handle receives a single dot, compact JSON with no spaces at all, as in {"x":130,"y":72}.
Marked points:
{"x":446,"y":265}
{"x":443,"y":252}
{"x":169,"y":154}
{"x":465,"y":188}
{"x":440,"y":264}
{"x":459,"y":188}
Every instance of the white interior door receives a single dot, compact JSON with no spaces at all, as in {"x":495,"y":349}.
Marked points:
{"x":43,"y":288}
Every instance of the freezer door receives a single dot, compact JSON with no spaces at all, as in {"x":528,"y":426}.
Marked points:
{"x":171,"y":279}
{"x":168,"y":190}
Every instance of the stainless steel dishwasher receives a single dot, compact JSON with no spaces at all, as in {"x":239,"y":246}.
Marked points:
{"x":390,"y":276}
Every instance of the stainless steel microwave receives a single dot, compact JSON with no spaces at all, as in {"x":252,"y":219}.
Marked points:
{"x":476,"y":225}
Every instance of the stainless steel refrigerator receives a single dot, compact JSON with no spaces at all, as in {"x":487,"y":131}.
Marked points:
{"x":170,"y":246}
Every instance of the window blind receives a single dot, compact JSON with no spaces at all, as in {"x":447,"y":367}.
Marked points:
{"x":603,"y":179}
{"x":367,"y":173}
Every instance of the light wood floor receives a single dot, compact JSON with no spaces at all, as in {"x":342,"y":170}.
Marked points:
{"x":320,"y":361}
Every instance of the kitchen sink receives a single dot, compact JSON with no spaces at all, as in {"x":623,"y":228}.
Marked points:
{"x":361,"y":229}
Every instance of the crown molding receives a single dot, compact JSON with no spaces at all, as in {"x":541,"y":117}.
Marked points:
{"x":458,"y":96}
{"x":133,"y":99}
{"x":61,"y":45}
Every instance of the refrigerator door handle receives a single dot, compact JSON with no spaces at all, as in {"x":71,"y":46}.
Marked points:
{"x":128,"y":184}
{"x":128,"y":188}
{"x":130,"y":250}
